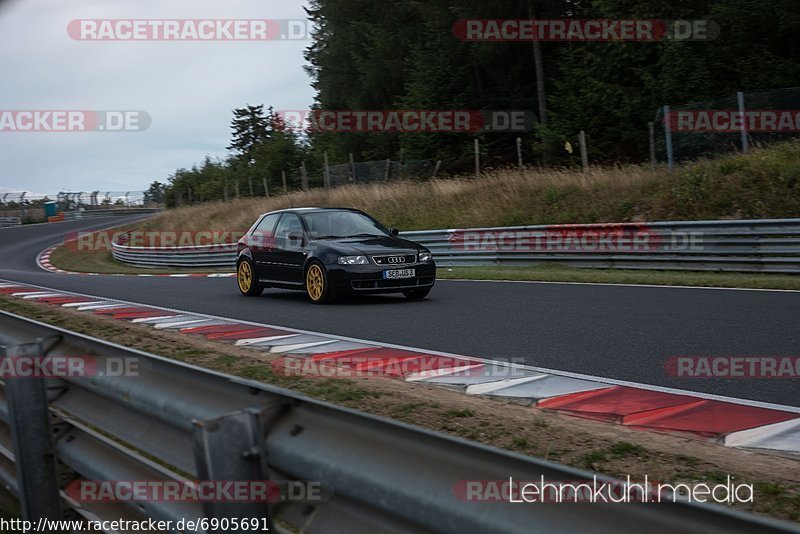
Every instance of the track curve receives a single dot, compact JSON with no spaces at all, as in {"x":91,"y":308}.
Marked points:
{"x":623,"y":332}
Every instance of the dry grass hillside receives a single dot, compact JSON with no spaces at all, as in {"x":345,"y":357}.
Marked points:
{"x":763,"y":184}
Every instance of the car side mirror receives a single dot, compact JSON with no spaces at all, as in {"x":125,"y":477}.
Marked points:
{"x":295,"y":236}
{"x":394,"y":232}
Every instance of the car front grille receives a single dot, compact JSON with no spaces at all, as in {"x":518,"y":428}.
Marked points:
{"x":389,"y":284}
{"x":395,"y":259}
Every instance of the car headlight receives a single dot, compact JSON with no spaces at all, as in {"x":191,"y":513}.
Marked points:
{"x":425,"y":256}
{"x":353,"y":260}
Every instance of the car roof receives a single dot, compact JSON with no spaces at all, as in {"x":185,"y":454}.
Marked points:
{"x":309,"y":209}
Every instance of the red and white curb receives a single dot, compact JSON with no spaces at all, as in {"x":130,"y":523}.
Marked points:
{"x":731,"y":422}
{"x":43,"y":261}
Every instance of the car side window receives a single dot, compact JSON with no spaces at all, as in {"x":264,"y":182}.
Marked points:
{"x":289,"y":223}
{"x":267,"y":224}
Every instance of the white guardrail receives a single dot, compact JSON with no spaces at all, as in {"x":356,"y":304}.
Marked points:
{"x":762,"y":245}
{"x":172,"y":424}
{"x":110,"y":212}
{"x":6,"y":222}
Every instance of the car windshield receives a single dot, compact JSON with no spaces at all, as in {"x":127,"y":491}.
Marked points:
{"x":340,"y":224}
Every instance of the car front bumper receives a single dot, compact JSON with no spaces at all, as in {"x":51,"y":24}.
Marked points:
{"x":345,"y":279}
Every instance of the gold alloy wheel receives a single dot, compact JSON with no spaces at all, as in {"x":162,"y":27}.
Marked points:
{"x":315,"y":282}
{"x":245,"y":276}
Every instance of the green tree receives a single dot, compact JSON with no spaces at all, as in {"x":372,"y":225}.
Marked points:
{"x":249,"y":129}
{"x":155,"y":193}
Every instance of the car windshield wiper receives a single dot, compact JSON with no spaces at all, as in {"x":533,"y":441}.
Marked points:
{"x":367,"y":235}
{"x":329,"y":237}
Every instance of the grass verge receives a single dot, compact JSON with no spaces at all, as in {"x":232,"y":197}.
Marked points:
{"x":609,"y":449}
{"x":557,"y":273}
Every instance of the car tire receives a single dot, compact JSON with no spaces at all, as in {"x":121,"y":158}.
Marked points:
{"x":316,"y":283}
{"x":247,"y":280}
{"x":417,"y":294}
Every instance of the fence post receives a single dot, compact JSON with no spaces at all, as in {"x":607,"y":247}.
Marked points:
{"x":237,"y":189}
{"x":34,"y":455}
{"x":266,"y":187}
{"x":388,"y":170}
{"x":303,"y":176}
{"x":668,"y":135}
{"x":436,"y":168}
{"x":745,"y":142}
{"x":352,"y":169}
{"x":326,"y":175}
{"x":519,"y":152}
{"x":477,"y":159}
{"x":651,"y":132}
{"x":584,"y":153}
{"x":402,"y":164}
{"x":231,"y":447}
{"x":225,"y":189}
{"x":283,"y":178}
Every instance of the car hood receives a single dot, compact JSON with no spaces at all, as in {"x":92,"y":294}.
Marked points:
{"x":370,"y":245}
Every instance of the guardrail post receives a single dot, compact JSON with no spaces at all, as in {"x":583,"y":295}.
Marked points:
{"x":231,"y":448}
{"x":34,"y":454}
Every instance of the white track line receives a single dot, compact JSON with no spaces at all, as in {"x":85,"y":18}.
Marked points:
{"x":556,"y":372}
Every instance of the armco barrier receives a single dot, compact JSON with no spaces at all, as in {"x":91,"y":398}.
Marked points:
{"x":173,"y":423}
{"x":93,"y":214}
{"x":10,"y":221}
{"x":763,"y":245}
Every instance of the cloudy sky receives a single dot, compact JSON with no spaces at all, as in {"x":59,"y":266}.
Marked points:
{"x":189,"y":89}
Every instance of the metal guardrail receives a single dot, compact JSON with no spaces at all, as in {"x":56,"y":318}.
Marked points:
{"x":217,"y":256}
{"x":178,"y":422}
{"x":763,"y":245}
{"x":91,"y":214}
{"x":6,"y":222}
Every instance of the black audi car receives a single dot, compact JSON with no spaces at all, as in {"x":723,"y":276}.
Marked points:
{"x":328,"y":252}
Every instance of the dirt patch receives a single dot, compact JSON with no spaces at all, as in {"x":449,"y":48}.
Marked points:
{"x":612,"y":450}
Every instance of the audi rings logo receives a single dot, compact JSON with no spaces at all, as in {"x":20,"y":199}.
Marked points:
{"x":396,"y":259}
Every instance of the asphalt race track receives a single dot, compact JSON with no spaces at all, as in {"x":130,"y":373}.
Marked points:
{"x":621,"y":332}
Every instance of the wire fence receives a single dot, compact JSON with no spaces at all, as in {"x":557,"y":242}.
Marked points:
{"x":381,"y":171}
{"x":31,"y":207}
{"x":725,"y":125}
{"x":75,"y":200}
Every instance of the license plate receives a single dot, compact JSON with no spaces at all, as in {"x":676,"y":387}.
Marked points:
{"x":397,"y":274}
